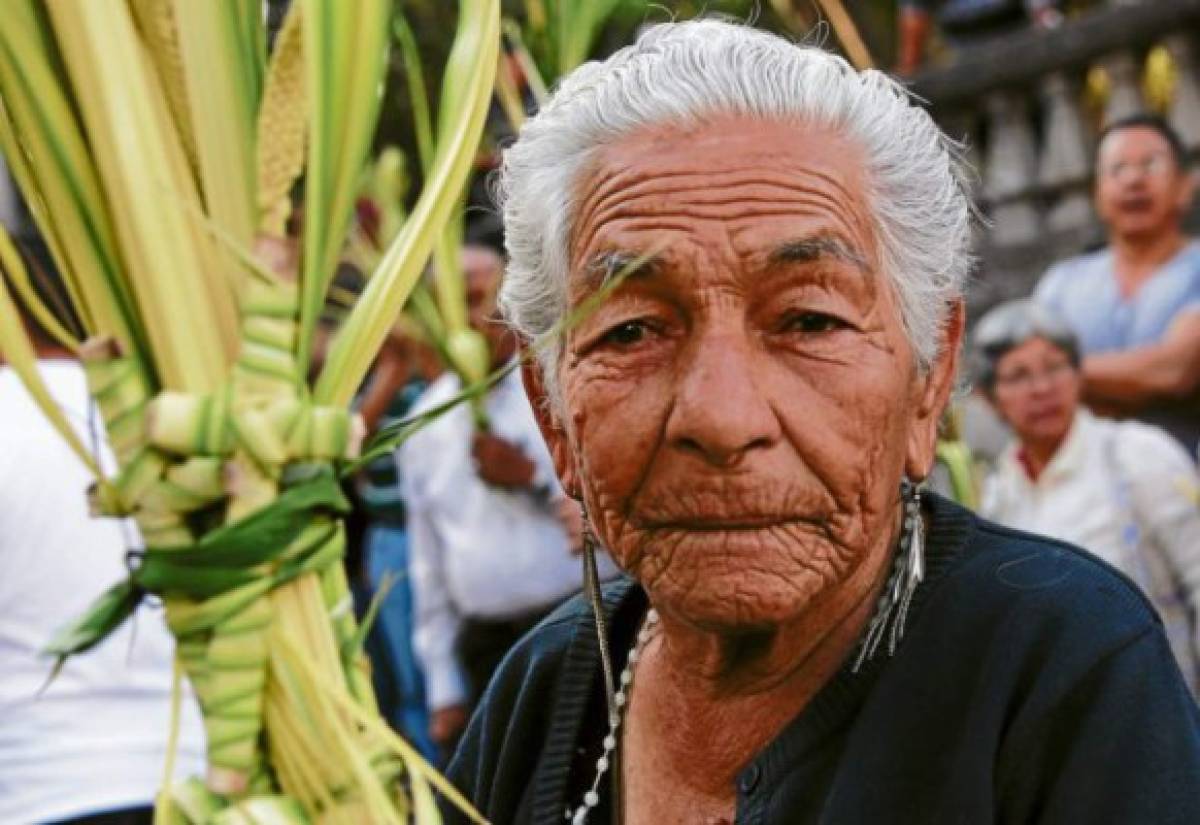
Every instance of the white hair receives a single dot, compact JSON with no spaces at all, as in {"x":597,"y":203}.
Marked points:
{"x":687,"y":72}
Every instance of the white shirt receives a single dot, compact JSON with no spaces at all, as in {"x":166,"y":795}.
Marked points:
{"x":476,"y":550}
{"x":1127,"y":492}
{"x":95,"y":738}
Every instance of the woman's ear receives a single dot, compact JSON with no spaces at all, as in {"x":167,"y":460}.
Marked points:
{"x":554,"y":433}
{"x":932,"y":394}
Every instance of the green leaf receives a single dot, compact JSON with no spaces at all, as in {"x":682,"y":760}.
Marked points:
{"x":43,"y":141}
{"x":354,"y":645}
{"x":18,"y":351}
{"x":390,"y":437}
{"x":354,"y":348}
{"x":414,"y":74}
{"x":265,"y":532}
{"x":223,"y":76}
{"x":221,"y":562}
{"x":345,"y":53}
{"x":104,"y":616}
{"x":262,"y":810}
{"x":195,"y":803}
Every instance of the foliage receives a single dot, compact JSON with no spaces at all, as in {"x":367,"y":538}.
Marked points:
{"x":159,"y":145}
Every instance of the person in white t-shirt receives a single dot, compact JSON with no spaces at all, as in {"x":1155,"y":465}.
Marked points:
{"x":1124,"y":490}
{"x":89,"y":746}
{"x":494,"y":543}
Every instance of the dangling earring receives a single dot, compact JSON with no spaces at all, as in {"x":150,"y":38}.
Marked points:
{"x":908,"y":571}
{"x":591,"y":584}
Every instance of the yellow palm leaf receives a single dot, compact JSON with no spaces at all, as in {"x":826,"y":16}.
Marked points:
{"x":223,"y":106}
{"x":345,"y":47}
{"x":156,"y":22}
{"x":141,"y":174}
{"x":17,"y":350}
{"x":389,"y":286}
{"x":51,"y":161}
{"x":282,"y":123}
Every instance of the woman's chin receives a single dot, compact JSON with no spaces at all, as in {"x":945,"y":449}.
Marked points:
{"x":1049,"y":431}
{"x":744,"y":600}
{"x":741,"y":578}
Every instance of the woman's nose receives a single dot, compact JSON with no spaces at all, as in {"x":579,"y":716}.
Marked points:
{"x":721,"y":411}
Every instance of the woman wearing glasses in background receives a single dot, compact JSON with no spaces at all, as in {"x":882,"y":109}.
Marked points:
{"x":1126,"y":491}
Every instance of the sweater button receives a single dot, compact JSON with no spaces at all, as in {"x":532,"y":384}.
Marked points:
{"x":748,"y":780}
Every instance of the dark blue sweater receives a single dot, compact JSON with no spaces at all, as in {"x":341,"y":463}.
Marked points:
{"x":1033,"y":685}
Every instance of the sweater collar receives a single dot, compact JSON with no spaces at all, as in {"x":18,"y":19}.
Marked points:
{"x":950,"y":527}
{"x":1066,"y":462}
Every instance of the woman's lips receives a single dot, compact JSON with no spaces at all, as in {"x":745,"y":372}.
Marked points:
{"x":1136,"y":205}
{"x":707,"y":523}
{"x":731,"y":505}
{"x":1046,"y":414}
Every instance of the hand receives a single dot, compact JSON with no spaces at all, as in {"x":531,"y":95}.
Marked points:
{"x":570,"y":516}
{"x":500,"y":463}
{"x":280,"y":255}
{"x":446,"y":724}
{"x":399,"y":346}
{"x":1048,"y":17}
{"x":387,"y":378}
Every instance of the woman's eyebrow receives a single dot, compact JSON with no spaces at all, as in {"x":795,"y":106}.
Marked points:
{"x":817,"y":247}
{"x":602,"y":268}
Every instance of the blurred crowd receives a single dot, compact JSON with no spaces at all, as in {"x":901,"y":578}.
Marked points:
{"x":1097,"y":376}
{"x":465,"y":540}
{"x":962,"y":23}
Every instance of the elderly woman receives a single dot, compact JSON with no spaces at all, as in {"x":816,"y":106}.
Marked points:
{"x":780,"y":244}
{"x":1124,"y":490}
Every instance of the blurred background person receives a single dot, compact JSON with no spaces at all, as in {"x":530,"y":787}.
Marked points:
{"x":1125,"y":491}
{"x":494,"y":545}
{"x":1135,"y":304}
{"x":88,"y":746}
{"x":403,"y":370}
{"x":963,"y":22}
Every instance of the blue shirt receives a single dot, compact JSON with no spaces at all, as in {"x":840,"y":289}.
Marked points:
{"x":1085,"y":293}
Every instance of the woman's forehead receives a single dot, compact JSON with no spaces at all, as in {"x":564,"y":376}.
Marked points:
{"x":1031,"y":349}
{"x":747,"y":183}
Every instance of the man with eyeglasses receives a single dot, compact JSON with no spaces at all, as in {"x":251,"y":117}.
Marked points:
{"x":1135,"y":304}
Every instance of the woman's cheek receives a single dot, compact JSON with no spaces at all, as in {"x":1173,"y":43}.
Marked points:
{"x":617,"y":430}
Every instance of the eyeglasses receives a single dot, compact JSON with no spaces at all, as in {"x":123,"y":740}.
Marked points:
{"x":1024,"y":380}
{"x":1154,"y":166}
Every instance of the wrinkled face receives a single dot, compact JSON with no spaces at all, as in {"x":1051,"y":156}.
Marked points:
{"x":1037,"y":390}
{"x":1140,"y":189}
{"x":738,"y":414}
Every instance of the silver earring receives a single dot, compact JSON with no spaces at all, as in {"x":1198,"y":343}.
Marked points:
{"x":908,"y":571}
{"x":591,"y":584}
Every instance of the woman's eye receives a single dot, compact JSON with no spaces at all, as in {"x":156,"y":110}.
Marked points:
{"x":813,"y":323}
{"x":626,"y":334}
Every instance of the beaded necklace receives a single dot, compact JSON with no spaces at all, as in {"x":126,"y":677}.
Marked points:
{"x":620,"y":699}
{"x":891,"y":611}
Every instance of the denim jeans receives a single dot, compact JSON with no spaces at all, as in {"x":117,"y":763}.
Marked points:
{"x":398,"y":678}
